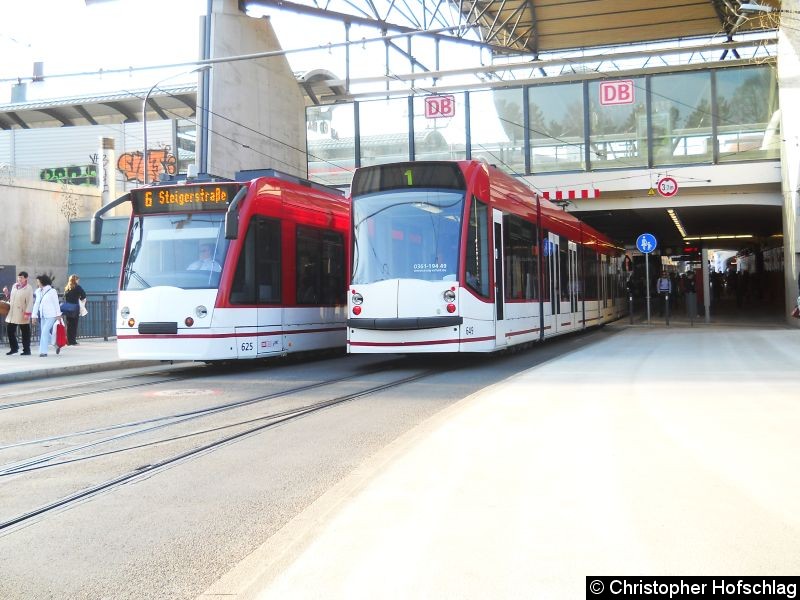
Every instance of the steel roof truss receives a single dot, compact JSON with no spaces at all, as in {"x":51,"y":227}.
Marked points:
{"x":81,"y":110}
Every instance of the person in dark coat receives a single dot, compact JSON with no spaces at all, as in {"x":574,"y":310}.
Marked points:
{"x":73,"y":293}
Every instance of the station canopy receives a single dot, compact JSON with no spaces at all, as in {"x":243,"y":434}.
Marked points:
{"x":547,"y":26}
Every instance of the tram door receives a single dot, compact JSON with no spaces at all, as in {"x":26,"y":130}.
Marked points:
{"x":574,"y":286}
{"x":499,"y":292}
{"x":552,"y":252}
{"x":566,"y":286}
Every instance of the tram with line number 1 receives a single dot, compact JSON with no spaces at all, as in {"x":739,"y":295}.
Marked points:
{"x":220,"y":269}
{"x":462,"y":257}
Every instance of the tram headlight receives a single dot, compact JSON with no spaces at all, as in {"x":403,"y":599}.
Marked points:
{"x":124,"y":312}
{"x":201,"y":311}
{"x":357,"y":298}
{"x":189,"y":321}
{"x":449,"y":296}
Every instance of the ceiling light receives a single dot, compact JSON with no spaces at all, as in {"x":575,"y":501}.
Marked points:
{"x":674,"y":216}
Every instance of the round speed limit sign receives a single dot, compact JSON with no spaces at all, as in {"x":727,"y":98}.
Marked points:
{"x":667,"y":187}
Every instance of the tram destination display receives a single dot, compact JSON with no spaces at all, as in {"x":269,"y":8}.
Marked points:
{"x":183,"y":198}
{"x":433,"y":175}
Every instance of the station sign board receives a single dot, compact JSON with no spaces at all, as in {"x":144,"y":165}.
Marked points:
{"x":619,"y":91}
{"x":440,"y":106}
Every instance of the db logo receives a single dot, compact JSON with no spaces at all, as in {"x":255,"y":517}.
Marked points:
{"x":616,"y":92}
{"x":437,"y":107}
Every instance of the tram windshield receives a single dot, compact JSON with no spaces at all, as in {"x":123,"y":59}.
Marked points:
{"x":406,"y":234}
{"x":179,"y":250}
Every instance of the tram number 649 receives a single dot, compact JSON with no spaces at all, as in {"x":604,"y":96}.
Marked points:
{"x":469,"y":330}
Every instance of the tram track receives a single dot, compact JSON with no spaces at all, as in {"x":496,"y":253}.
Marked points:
{"x":196,"y":371}
{"x":252,"y":426}
{"x":153,"y":424}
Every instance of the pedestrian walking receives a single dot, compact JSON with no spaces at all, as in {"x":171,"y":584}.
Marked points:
{"x":664,"y":287}
{"x":73,"y":296}
{"x":19,"y":315}
{"x":47,"y":311}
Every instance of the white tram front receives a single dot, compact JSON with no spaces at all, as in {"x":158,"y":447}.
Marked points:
{"x":225,"y":270}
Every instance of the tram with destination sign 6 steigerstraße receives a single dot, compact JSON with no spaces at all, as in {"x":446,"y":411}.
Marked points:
{"x":232,"y":269}
{"x":462,"y":257}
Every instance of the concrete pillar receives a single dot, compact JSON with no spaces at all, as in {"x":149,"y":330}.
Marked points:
{"x":706,"y":284}
{"x":256,"y":109}
{"x":789,"y":91}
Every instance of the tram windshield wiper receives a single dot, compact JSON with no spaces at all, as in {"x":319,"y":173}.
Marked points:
{"x":137,"y":277}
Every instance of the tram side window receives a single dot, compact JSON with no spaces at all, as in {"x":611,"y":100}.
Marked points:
{"x":590,"y":261}
{"x":258,"y":272}
{"x":320,"y":267}
{"x":477,"y":267}
{"x":563,"y":259}
{"x":522,"y":267}
{"x":546,"y":249}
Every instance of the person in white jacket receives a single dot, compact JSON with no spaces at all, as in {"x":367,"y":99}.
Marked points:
{"x":47,"y":309}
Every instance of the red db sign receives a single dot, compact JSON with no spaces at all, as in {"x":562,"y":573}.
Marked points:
{"x":616,"y":92}
{"x":437,"y":107}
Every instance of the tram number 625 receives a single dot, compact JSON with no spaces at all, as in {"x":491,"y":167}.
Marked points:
{"x":247,"y":346}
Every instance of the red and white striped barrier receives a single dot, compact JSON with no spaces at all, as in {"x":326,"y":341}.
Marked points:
{"x":571,"y":195}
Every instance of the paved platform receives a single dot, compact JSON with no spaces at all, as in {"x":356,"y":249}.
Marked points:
{"x":659,"y":451}
{"x":88,"y":356}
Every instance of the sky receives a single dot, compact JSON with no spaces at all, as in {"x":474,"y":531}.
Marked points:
{"x":69,"y":36}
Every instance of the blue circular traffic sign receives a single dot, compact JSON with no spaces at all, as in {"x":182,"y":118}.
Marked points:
{"x":646,"y":243}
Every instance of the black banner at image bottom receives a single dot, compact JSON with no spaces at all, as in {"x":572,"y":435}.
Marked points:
{"x":685,"y":588}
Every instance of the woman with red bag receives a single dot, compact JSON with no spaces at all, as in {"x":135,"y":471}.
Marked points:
{"x":46,"y":309}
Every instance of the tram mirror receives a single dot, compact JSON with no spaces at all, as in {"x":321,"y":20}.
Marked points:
{"x":231,"y":225}
{"x":95,"y":230}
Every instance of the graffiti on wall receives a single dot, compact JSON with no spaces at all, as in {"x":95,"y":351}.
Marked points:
{"x":72,"y":175}
{"x":131,"y":164}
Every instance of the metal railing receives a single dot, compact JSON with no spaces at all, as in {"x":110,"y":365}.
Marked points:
{"x":98,"y":323}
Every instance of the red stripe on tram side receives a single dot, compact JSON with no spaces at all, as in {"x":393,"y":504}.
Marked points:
{"x":169,"y":336}
{"x":425,"y":343}
{"x":522,"y":332}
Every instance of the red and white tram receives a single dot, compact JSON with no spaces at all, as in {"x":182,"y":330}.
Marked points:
{"x":461,"y":257}
{"x":224,"y":269}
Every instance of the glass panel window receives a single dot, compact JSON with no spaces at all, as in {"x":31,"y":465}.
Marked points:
{"x":179,"y":250}
{"x":384,"y":131}
{"x":258,"y":273}
{"x":618,"y":123}
{"x":330,"y":134}
{"x":681,"y":118}
{"x":477,"y":267}
{"x":522,"y":267}
{"x":497,"y":129}
{"x":320,"y":267}
{"x":409,"y":234}
{"x":747,"y":117}
{"x":563,"y":268}
{"x":438,"y":137}
{"x":590,"y":276}
{"x":556,"y":127}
